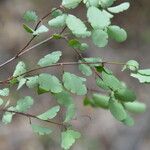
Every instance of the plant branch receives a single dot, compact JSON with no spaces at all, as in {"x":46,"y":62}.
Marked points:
{"x":80,"y":55}
{"x":32,"y":116}
{"x":21,"y":51}
{"x":60,"y":64}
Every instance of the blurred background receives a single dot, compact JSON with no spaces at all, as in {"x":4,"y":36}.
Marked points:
{"x":102,"y":132}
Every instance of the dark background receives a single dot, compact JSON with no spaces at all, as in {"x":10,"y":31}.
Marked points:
{"x":102,"y":132}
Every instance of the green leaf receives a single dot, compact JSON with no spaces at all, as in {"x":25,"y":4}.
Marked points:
{"x":97,"y":18}
{"x":77,"y":27}
{"x":56,"y":12}
{"x":50,"y":114}
{"x":50,"y":83}
{"x":117,"y":110}
{"x":70,"y":113}
{"x":27,"y":28}
{"x":100,"y":38}
{"x":128,"y":121}
{"x":111,"y":81}
{"x":32,"y":82}
{"x":85,"y":69}
{"x":41,"y":29}
{"x":145,"y":72}
{"x":101,"y":84}
{"x":135,"y":107}
{"x":120,"y":8}
{"x":30,"y":16}
{"x":4,"y":92}
{"x":24,"y":104}
{"x":88,"y":101}
{"x":57,"y":36}
{"x":50,"y":59}
{"x":74,"y":43}
{"x":68,"y":138}
{"x":21,"y":83}
{"x":64,"y":98}
{"x":84,"y":46}
{"x":91,"y":3}
{"x":74,"y":83}
{"x":1,"y":101}
{"x":125,"y":95}
{"x":108,"y":14}
{"x":101,"y":100}
{"x":41,"y":130}
{"x":141,"y":78}
{"x":131,"y":65}
{"x":19,"y":70}
{"x":41,"y":91}
{"x":58,"y":22}
{"x":106,"y":3}
{"x":70,"y":4}
{"x":7,"y":116}
{"x":117,"y":33}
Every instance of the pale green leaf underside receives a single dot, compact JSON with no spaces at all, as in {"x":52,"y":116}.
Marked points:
{"x":50,"y":83}
{"x":141,"y":78}
{"x":106,"y":3}
{"x":41,"y":130}
{"x":97,"y":18}
{"x":70,"y":113}
{"x":131,"y":65}
{"x":120,"y":8}
{"x":58,"y":22}
{"x":100,"y":38}
{"x":4,"y":92}
{"x":74,"y":83}
{"x":70,"y":4}
{"x":30,"y":16}
{"x":77,"y":27}
{"x":41,"y":29}
{"x":85,"y":69}
{"x":19,"y":70}
{"x":68,"y":138}
{"x":50,"y":59}
{"x":50,"y":114}
{"x":24,"y":104}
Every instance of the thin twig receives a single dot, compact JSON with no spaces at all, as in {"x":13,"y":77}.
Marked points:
{"x":60,"y":64}
{"x":32,"y":116}
{"x":80,"y":55}
{"x":21,"y":51}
